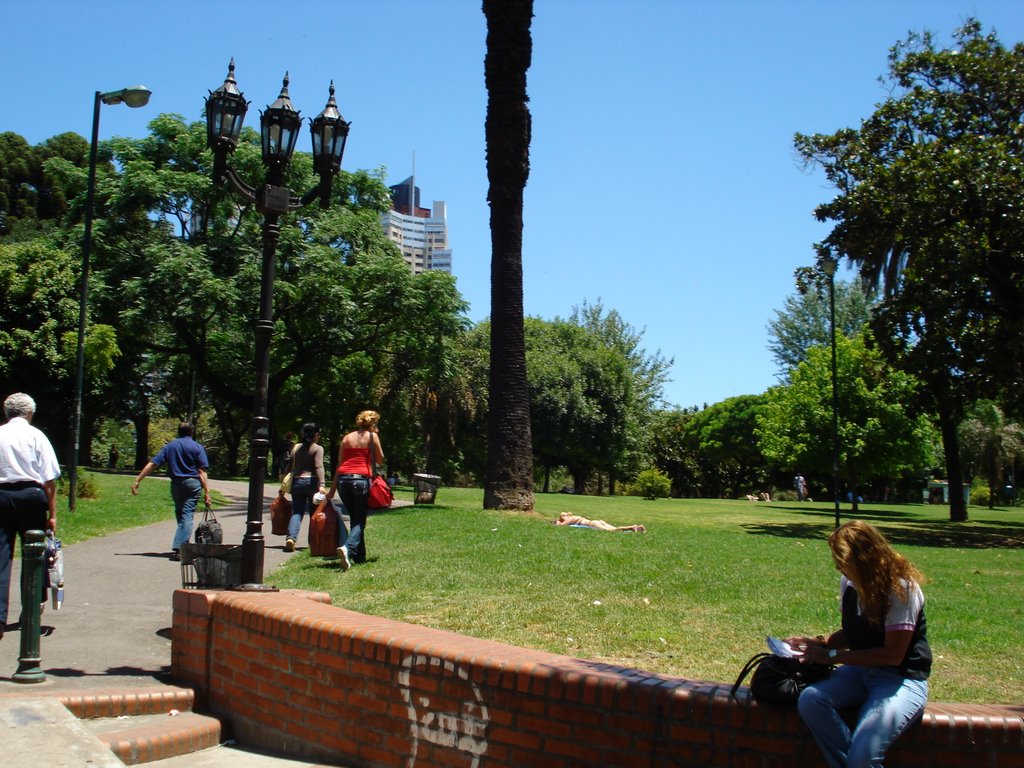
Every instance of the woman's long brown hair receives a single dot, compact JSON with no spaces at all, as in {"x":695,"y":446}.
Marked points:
{"x":861,"y":548}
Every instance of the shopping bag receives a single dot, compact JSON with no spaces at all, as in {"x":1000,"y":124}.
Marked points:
{"x":280,"y":514}
{"x":53,"y":583}
{"x":380,"y":493}
{"x":323,"y":531}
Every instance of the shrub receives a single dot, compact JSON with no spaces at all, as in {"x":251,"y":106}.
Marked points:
{"x":979,"y":495}
{"x":85,"y":486}
{"x":652,"y":484}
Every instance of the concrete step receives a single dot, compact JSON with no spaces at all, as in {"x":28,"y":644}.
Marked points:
{"x":139,"y":739}
{"x":147,"y":700}
{"x":114,"y":728}
{"x":234,"y":756}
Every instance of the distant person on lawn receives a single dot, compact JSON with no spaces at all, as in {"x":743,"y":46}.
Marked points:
{"x":186,"y":466}
{"x":585,"y":522}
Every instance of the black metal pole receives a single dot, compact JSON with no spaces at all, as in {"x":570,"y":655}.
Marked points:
{"x":253,"y":541}
{"x":835,"y":394}
{"x":83,"y":303}
{"x":33,"y":552}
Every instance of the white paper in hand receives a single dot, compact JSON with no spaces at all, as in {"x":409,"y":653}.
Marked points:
{"x":782,"y":648}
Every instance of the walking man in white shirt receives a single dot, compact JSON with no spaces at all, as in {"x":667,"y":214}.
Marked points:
{"x":28,"y":485}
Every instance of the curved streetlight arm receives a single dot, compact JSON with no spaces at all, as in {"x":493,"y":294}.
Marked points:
{"x":272,"y":199}
{"x":237,"y":184}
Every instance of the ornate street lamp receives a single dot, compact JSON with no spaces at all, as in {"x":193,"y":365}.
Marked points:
{"x":135,"y":96}
{"x":828,"y":266}
{"x":279,"y":128}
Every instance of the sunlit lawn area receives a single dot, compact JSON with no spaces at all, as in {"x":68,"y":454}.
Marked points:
{"x":693,"y":597}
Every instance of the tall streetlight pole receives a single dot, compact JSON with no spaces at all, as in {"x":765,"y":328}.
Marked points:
{"x":135,"y":96}
{"x":828,"y":266}
{"x":279,"y":127}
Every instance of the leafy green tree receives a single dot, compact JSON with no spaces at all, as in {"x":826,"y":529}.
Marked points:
{"x":31,"y":199}
{"x":509,"y":480}
{"x":648,"y":373}
{"x":177,"y":265}
{"x":673,"y":453}
{"x":878,"y":437}
{"x":719,"y":440}
{"x":584,"y":411}
{"x":928,"y":206}
{"x":38,"y":308}
{"x":17,"y":167}
{"x":804,"y":321}
{"x":990,"y":443}
{"x":580,"y":396}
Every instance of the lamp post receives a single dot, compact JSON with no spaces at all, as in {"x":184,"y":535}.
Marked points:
{"x":279,"y":128}
{"x":828,"y":266}
{"x":135,"y":96}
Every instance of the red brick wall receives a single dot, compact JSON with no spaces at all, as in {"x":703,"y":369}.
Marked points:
{"x":300,"y":676}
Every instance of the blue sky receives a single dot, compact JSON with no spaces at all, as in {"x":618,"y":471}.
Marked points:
{"x":663,"y":179}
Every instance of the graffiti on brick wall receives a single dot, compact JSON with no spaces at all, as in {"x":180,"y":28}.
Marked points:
{"x":462,"y":730}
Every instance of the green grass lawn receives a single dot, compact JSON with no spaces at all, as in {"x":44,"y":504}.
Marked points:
{"x":113,"y":508}
{"x":693,"y":597}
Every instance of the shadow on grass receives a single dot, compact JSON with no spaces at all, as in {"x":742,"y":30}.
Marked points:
{"x":901,"y":528}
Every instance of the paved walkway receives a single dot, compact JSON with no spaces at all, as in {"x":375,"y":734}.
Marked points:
{"x":114,"y":629}
{"x":113,"y":636}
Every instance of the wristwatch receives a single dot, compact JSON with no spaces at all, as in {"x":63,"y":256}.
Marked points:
{"x":832,"y":653}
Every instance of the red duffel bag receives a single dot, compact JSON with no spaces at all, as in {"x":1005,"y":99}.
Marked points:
{"x":280,"y":514}
{"x":380,"y":493}
{"x":323,"y":531}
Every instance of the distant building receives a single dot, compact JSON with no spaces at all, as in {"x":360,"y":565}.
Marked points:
{"x":420,"y":233}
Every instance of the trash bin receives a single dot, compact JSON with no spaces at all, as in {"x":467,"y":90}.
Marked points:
{"x":425,"y":488}
{"x":210,"y":566}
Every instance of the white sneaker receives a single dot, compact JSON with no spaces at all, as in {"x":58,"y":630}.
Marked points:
{"x":289,"y":545}
{"x":343,"y":557}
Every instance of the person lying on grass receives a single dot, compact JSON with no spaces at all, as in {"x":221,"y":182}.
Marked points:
{"x":584,"y":522}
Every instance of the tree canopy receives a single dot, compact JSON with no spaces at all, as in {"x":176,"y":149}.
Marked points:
{"x":878,"y":436}
{"x":804,"y":321}
{"x":930,"y":207}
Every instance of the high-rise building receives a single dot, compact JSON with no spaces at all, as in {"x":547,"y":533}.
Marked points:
{"x":420,"y":233}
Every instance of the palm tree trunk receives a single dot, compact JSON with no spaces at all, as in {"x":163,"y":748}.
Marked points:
{"x":509,"y":479}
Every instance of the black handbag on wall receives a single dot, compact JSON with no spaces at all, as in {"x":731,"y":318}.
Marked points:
{"x":778,"y":680}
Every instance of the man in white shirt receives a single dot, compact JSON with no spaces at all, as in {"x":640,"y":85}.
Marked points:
{"x":28,"y":485}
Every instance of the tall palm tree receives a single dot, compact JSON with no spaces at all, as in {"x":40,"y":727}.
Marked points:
{"x":509,"y":479}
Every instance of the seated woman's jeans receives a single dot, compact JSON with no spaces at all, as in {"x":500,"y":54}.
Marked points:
{"x":303,"y":489}
{"x":354,"y":492}
{"x":888,"y":703}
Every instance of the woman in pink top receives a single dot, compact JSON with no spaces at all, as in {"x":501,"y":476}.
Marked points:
{"x":352,"y":481}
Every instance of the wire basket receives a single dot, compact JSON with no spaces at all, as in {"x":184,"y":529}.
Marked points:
{"x":210,"y":566}
{"x":425,"y":488}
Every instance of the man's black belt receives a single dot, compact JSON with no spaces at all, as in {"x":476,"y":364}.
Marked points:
{"x":20,"y":485}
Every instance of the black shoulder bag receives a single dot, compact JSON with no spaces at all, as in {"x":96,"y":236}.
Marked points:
{"x":209,"y":530}
{"x":778,"y":680}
